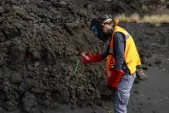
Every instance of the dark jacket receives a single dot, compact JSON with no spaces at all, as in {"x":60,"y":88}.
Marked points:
{"x":119,"y":47}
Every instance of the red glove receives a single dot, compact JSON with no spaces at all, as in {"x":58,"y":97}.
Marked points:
{"x":114,"y":79}
{"x":89,"y":58}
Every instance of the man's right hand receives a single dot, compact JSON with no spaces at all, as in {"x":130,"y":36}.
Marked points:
{"x":85,"y":57}
{"x":89,"y":58}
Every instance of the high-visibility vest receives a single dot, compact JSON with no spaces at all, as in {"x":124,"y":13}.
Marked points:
{"x":131,"y":55}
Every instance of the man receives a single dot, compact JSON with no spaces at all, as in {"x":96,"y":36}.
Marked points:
{"x":123,"y":60}
{"x":139,"y":73}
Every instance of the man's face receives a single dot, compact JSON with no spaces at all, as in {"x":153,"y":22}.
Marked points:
{"x":106,"y":28}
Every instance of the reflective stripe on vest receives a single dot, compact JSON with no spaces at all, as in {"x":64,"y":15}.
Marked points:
{"x":131,"y":55}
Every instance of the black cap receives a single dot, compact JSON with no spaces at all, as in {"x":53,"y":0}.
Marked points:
{"x":104,"y":17}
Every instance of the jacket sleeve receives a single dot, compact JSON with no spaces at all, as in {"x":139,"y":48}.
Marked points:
{"x":119,"y":45}
{"x":105,"y":53}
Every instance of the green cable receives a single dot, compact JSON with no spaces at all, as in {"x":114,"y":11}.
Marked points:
{"x":77,"y":65}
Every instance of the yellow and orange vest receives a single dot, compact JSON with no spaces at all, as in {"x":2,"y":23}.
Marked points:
{"x":131,"y":55}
